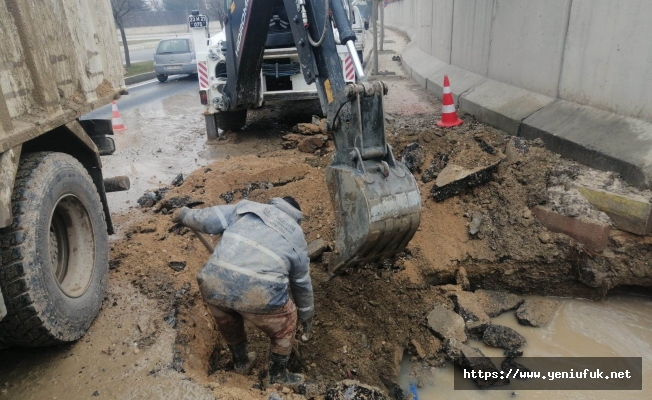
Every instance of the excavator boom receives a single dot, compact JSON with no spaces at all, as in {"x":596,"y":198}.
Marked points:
{"x":375,"y":198}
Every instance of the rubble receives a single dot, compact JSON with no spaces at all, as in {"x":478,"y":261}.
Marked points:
{"x":495,"y":303}
{"x":509,"y":364}
{"x":473,"y":359}
{"x":536,"y":313}
{"x":354,"y":390}
{"x":454,"y":178}
{"x":418,"y":349}
{"x":476,"y":222}
{"x":513,"y":353}
{"x":175,"y":202}
{"x":468,"y":307}
{"x":178,"y":180}
{"x":316,"y":248}
{"x":446,"y":323}
{"x":177,"y":265}
{"x":304,"y":144}
{"x":593,"y":234}
{"x":413,"y":157}
{"x":307,"y":129}
{"x":502,"y":336}
{"x":313,"y":143}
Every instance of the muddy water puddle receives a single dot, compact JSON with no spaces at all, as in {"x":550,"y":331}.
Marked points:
{"x":620,"y":326}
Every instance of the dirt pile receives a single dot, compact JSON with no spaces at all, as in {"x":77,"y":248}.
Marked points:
{"x":371,"y":317}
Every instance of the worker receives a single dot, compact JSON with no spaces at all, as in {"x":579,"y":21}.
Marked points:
{"x":262,"y":257}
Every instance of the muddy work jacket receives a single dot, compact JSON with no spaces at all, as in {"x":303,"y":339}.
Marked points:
{"x":262,"y":255}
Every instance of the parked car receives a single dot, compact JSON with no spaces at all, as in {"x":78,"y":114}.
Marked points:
{"x":175,"y":56}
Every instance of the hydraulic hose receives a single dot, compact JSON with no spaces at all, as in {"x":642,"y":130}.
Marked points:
{"x":323,"y":33}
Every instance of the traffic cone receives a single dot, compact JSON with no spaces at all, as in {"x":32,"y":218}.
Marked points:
{"x":116,"y":120}
{"x":448,"y":113}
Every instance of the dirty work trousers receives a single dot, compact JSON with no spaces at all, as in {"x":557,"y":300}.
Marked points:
{"x":280,"y":325}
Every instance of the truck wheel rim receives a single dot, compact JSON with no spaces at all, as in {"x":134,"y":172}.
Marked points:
{"x":72,"y":246}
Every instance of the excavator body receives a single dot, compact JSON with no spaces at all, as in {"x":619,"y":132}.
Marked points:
{"x":375,"y":198}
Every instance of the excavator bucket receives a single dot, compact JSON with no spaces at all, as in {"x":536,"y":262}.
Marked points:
{"x":375,"y":215}
{"x":375,"y":198}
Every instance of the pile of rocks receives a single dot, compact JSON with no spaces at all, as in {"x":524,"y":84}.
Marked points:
{"x":307,"y":138}
{"x":468,"y":315}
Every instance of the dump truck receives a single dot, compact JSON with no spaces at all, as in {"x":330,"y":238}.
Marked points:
{"x":59,"y":60}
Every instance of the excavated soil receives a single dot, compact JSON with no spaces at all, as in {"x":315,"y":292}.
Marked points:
{"x":367,"y":319}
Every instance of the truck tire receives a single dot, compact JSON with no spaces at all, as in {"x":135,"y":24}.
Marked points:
{"x":231,"y":120}
{"x":162,"y":78}
{"x":54,"y":257}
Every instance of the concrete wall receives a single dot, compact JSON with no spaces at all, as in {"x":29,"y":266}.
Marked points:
{"x":592,"y":52}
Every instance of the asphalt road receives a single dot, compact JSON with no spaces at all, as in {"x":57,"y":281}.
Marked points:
{"x":149,"y":91}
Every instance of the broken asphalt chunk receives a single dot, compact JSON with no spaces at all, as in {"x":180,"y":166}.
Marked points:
{"x":472,"y":359}
{"x":177,"y":265}
{"x":413,"y":157}
{"x":454,"y":178}
{"x":536,"y":312}
{"x":178,"y":180}
{"x":503,"y":337}
{"x":446,"y":323}
{"x":468,"y":307}
{"x":495,"y":303}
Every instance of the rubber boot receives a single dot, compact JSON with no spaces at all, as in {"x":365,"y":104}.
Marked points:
{"x":243,"y":362}
{"x":278,"y":371}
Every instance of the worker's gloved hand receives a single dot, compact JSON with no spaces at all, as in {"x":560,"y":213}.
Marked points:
{"x":176,"y":214}
{"x":307,"y":330}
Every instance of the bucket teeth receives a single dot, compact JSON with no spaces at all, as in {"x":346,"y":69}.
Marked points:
{"x":376,"y":216}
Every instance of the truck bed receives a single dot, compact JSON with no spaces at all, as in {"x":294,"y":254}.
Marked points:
{"x":59,"y":59}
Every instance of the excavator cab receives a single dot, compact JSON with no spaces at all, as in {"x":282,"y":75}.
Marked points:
{"x":375,"y":198}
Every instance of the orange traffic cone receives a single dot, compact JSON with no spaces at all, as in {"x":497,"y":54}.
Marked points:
{"x":448,"y":113}
{"x":116,"y":120}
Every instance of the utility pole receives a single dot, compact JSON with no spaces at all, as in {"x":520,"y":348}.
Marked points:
{"x":382,"y":26}
{"x":374,"y":18}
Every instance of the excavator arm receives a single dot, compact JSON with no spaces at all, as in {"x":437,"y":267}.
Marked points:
{"x":375,"y":198}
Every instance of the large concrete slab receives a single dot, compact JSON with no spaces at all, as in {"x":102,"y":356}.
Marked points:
{"x":527,"y":43}
{"x":502,"y":106}
{"x":420,"y":64}
{"x":599,"y":139}
{"x":608,"y":57}
{"x":461,"y":81}
{"x":472,"y":35}
{"x":442,"y":29}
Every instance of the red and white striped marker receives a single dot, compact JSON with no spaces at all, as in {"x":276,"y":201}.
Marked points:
{"x":349,"y":69}
{"x":202,"y":72}
{"x":116,"y":120}
{"x":448,"y":113}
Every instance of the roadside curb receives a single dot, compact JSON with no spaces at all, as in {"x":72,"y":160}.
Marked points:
{"x":140,"y":78}
{"x":600,"y":139}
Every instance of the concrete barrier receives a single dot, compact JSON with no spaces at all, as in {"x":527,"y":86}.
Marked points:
{"x":525,"y":65}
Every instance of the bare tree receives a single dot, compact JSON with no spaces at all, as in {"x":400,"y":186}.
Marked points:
{"x":215,"y":10}
{"x":122,"y":10}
